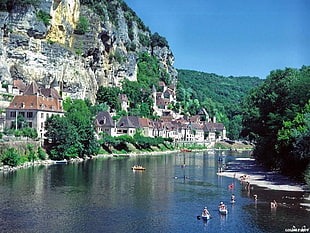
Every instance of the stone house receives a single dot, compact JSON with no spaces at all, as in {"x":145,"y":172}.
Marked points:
{"x":163,"y":99}
{"x":35,"y":106}
{"x":197,"y":132}
{"x":128,"y":125}
{"x":105,"y":124}
{"x":147,"y":126}
{"x":216,"y":131}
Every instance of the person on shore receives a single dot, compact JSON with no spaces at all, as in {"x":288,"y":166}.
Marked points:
{"x":273,"y":204}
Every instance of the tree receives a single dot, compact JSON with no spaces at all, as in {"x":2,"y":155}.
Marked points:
{"x":157,"y":40}
{"x":62,"y":136}
{"x":293,"y":142}
{"x":80,"y":116}
{"x":109,"y":95}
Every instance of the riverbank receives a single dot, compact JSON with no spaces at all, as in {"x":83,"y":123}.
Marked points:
{"x":6,"y":168}
{"x":247,"y":170}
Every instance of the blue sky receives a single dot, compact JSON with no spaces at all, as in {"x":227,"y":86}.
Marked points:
{"x":231,"y":37}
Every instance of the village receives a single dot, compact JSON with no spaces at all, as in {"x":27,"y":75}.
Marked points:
{"x":35,"y":104}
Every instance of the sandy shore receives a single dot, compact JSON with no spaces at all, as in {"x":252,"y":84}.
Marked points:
{"x":257,"y":175}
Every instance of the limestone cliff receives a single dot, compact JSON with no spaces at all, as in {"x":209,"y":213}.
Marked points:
{"x":41,"y":43}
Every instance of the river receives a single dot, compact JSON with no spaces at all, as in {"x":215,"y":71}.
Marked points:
{"x":105,"y":195}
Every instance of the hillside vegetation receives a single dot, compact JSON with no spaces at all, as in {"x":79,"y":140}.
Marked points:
{"x":220,"y":96}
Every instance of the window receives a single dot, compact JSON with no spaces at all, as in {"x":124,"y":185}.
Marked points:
{"x":42,"y":115}
{"x":29,"y":114}
{"x":12,"y":114}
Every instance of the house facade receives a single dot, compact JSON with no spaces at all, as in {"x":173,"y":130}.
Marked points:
{"x":189,"y":129}
{"x":35,"y":106}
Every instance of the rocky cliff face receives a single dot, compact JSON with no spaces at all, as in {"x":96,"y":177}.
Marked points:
{"x":78,"y":63}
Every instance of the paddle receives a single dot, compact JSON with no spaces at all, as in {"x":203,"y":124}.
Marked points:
{"x":199,"y":217}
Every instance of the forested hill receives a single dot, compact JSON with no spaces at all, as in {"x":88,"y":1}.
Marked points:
{"x":220,"y":96}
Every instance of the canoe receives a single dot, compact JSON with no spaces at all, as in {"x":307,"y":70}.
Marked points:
{"x":186,"y":150}
{"x":205,"y":216}
{"x":138,"y":168}
{"x":223,"y":211}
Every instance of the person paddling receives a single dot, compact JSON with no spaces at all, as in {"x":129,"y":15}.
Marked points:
{"x":205,"y":211}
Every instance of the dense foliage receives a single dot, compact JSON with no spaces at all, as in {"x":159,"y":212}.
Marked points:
{"x":72,"y":135}
{"x":277,"y":118}
{"x":110,"y":7}
{"x":13,"y":157}
{"x":138,"y":141}
{"x":220,"y":96}
{"x":109,"y":95}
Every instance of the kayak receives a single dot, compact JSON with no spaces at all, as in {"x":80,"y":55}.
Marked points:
{"x":223,"y":211}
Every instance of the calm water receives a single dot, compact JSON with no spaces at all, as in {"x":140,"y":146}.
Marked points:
{"x":105,"y":195}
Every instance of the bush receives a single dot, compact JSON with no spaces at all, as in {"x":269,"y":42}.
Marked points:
{"x":41,"y":153}
{"x":158,"y":40}
{"x":82,"y":26}
{"x":11,"y":157}
{"x":44,"y":17}
{"x":144,"y":39}
{"x":31,"y":154}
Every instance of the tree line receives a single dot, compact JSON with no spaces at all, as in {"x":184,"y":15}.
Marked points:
{"x":276,"y":116}
{"x":220,"y":96}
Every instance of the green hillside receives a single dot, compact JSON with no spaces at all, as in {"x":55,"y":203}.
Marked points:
{"x":220,"y":96}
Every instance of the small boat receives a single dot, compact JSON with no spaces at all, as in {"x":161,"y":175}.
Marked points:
{"x":185,"y":150}
{"x":138,"y":167}
{"x":64,"y":161}
{"x":223,"y":210}
{"x":205,"y":216}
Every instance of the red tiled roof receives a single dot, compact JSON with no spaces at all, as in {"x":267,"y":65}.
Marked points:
{"x":32,"y":89}
{"x":34,"y":102}
{"x":19,"y":84}
{"x":50,"y":92}
{"x":145,"y":122}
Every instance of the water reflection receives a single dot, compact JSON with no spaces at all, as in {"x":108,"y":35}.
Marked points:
{"x":105,"y":195}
